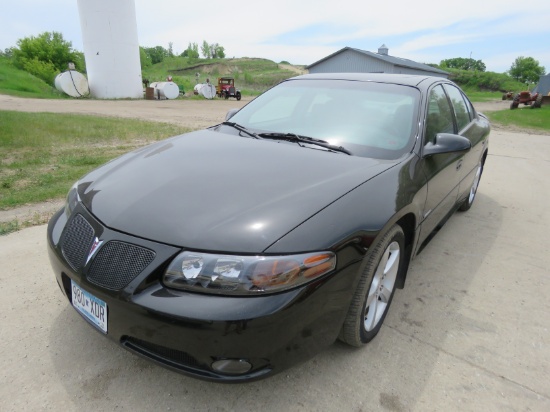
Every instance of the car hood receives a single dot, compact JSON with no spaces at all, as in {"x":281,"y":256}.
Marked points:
{"x":213,"y":191}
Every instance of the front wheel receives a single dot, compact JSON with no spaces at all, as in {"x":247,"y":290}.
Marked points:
{"x":238,"y":96}
{"x":375,"y":290}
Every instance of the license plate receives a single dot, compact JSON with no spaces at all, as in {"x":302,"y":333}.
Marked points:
{"x":92,"y":308}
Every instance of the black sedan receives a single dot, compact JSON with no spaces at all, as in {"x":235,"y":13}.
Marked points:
{"x":234,"y":252}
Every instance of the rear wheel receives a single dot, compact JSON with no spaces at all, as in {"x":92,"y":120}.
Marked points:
{"x":467,"y":204}
{"x":375,"y":290}
{"x":538,"y":101}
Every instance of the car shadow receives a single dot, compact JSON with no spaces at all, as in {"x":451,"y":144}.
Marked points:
{"x":389,"y":373}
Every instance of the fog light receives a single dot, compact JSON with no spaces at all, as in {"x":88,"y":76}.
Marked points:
{"x":231,"y":366}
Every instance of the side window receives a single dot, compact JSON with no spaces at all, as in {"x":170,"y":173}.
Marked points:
{"x":470,"y":108}
{"x":439,"y":118}
{"x":459,"y":105}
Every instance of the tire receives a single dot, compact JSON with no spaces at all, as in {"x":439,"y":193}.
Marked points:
{"x":374,"y":293}
{"x":538,"y":101}
{"x":469,"y":201}
{"x":226,"y":95}
{"x":515,"y":102}
{"x":238,"y":95}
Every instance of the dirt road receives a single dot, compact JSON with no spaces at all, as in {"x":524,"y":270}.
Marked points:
{"x":469,"y":332}
{"x":195,"y":114}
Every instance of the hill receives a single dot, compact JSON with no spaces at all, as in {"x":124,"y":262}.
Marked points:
{"x":252,"y":75}
{"x":17,"y":82}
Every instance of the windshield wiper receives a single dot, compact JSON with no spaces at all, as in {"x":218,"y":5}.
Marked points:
{"x":241,"y":129}
{"x":292,"y":137}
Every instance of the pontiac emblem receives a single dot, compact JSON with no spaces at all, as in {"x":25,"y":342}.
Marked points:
{"x":95,"y":246}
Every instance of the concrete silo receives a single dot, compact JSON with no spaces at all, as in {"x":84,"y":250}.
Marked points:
{"x":111,"y":48}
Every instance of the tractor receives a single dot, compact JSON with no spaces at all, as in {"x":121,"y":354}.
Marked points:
{"x":226,"y":88}
{"x":527,"y":98}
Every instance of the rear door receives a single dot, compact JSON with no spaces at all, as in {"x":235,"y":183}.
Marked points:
{"x":468,"y":125}
{"x":443,"y":171}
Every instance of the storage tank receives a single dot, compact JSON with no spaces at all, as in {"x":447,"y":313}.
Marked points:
{"x":72,"y":83}
{"x":166,"y":90}
{"x":111,"y":48}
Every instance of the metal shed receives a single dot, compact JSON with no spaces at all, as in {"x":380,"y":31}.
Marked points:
{"x":350,"y":60}
{"x":543,"y":87}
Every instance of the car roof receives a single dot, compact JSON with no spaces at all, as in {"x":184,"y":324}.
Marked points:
{"x":404,"y":79}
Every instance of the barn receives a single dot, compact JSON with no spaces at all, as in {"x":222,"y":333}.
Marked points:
{"x":350,"y":60}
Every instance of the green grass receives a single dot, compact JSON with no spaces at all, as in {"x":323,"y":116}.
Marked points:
{"x":43,"y":154}
{"x":538,"y":119}
{"x":17,"y":82}
{"x":482,"y":96}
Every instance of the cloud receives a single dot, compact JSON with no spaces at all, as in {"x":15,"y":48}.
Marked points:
{"x":306,"y":31}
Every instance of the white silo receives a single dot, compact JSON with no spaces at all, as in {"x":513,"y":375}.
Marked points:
{"x":111,"y":48}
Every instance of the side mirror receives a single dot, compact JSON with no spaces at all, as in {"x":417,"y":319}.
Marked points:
{"x":230,"y":114}
{"x":447,"y":143}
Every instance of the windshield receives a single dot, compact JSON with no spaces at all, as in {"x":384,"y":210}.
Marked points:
{"x":369,"y":119}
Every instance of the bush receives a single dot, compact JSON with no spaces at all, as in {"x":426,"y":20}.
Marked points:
{"x":484,"y":81}
{"x":45,"y":55}
{"x":43,"y":70}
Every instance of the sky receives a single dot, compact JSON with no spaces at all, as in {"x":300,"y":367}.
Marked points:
{"x":303,"y":32}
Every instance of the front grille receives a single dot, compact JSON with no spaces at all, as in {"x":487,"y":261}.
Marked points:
{"x":118,"y":263}
{"x":161,"y":353}
{"x":79,"y":237}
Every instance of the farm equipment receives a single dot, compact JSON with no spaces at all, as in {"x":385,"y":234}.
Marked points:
{"x":226,"y":88}
{"x":527,"y":98}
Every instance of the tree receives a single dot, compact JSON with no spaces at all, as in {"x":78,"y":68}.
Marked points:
{"x":205,"y":49}
{"x":463,"y":64}
{"x":156,"y":54}
{"x":192,"y":51}
{"x":8,"y":53}
{"x":220,"y":52}
{"x":217,"y":51}
{"x":46,"y":55}
{"x":526,"y":69}
{"x":212,"y":51}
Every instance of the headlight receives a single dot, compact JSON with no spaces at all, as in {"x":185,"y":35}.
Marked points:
{"x":245,"y":275}
{"x":72,"y":200}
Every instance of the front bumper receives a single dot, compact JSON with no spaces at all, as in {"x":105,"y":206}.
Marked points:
{"x":189,"y":332}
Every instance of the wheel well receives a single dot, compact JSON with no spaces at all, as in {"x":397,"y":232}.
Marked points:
{"x":408,"y":224}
